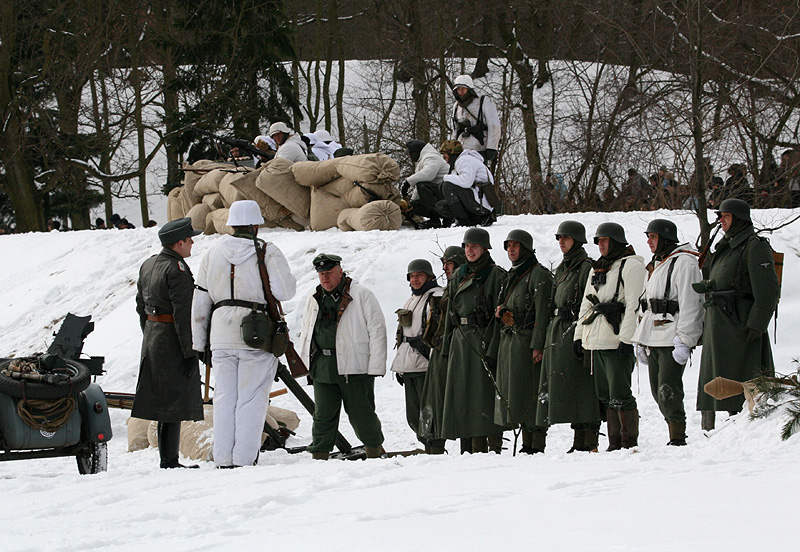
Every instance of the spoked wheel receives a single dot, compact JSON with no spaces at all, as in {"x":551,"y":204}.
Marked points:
{"x":93,"y":458}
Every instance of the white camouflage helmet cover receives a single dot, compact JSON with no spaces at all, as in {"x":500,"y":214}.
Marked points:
{"x":245,"y":212}
{"x":463,"y":80}
{"x":275,"y":128}
{"x":323,"y":135}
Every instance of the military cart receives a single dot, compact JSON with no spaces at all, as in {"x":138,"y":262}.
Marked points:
{"x":49,"y":406}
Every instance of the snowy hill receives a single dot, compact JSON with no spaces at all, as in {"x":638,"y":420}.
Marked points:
{"x":709,"y":495}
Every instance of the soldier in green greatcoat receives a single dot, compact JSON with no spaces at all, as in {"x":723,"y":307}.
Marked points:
{"x":566,"y":391}
{"x":523,"y":312}
{"x":432,"y":400}
{"x":471,"y":339}
{"x":742,"y":292}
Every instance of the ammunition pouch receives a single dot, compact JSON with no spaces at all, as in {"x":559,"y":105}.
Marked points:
{"x":478,"y":131}
{"x":612,"y":311}
{"x":404,"y":317}
{"x":659,"y":306}
{"x":726,"y":301}
{"x":418,"y":345}
{"x":487,"y":190}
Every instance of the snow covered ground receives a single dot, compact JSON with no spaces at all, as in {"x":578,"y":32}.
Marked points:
{"x":730,"y":490}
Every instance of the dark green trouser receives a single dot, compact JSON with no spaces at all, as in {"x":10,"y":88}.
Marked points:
{"x":612,"y":379}
{"x":429,"y":194}
{"x":358,"y":397}
{"x":666,"y":383}
{"x":412,"y":383}
{"x":583,"y":426}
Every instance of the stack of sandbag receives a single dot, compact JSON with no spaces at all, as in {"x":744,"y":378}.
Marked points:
{"x":197,"y":438}
{"x":348,"y":182}
{"x":277,"y":181}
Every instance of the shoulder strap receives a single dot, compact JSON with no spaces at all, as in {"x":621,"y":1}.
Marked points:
{"x":620,"y":282}
{"x":669,"y":277}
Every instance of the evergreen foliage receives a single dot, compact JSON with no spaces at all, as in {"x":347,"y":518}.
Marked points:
{"x":772,"y":394}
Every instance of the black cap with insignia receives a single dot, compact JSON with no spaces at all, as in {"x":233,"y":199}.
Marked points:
{"x":177,"y":230}
{"x":324,"y":262}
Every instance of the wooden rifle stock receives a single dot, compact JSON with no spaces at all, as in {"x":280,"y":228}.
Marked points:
{"x":296,"y":365}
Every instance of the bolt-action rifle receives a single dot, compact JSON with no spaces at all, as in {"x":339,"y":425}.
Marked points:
{"x":243,"y":145}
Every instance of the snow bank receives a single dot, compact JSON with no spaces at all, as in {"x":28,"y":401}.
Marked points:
{"x":718,"y":492}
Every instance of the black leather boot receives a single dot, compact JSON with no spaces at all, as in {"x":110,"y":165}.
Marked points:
{"x":169,"y":439}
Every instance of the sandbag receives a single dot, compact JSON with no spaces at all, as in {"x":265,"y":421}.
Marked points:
{"x":278,"y":182}
{"x":325,"y":209}
{"x":377,"y":215}
{"x":198,"y":214}
{"x":341,"y":221}
{"x":274,"y":213}
{"x":339,"y":187}
{"x":191,"y":177}
{"x":214,"y":200}
{"x":363,"y":194}
{"x":313,"y":174}
{"x":210,"y":227}
{"x":228,"y":189}
{"x":372,"y":168}
{"x":175,"y":204}
{"x":220,"y":219}
{"x":282,"y":417}
{"x":137,"y":434}
{"x":209,"y":182}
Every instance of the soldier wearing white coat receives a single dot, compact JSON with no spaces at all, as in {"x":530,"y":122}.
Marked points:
{"x":475,"y":121}
{"x":290,"y":145}
{"x":429,"y":171}
{"x":670,"y":322}
{"x":228,"y":286}
{"x":411,"y":362}
{"x":464,"y":189}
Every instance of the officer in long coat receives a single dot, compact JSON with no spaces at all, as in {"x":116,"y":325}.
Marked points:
{"x":566,"y":389}
{"x":168,"y":389}
{"x":433,"y":390}
{"x":523,"y":313}
{"x":471,"y":340}
{"x":742,"y":294}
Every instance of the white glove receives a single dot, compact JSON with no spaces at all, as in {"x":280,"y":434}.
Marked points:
{"x":641,"y":354}
{"x":681,"y":352}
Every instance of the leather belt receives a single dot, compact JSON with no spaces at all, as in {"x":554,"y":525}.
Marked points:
{"x":160,"y":318}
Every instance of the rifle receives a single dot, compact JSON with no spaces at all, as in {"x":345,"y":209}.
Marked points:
{"x":296,"y":364}
{"x":701,"y":259}
{"x":243,"y":145}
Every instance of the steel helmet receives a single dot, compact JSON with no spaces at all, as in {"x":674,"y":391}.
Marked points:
{"x":454,"y":254}
{"x":573,"y":229}
{"x":463,"y":80}
{"x":738,"y":208}
{"x":477,"y":235}
{"x":610,"y":230}
{"x":419,"y":265}
{"x":245,"y":212}
{"x":664,"y":228}
{"x":520,"y":236}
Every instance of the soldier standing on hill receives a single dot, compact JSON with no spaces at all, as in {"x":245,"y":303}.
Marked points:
{"x":475,"y":121}
{"x":411,"y":362}
{"x":742,"y":294}
{"x":433,"y":390}
{"x":607,"y":321}
{"x":567,"y":388}
{"x":471,"y":340}
{"x":670,"y":323}
{"x":168,"y":389}
{"x":524,"y":311}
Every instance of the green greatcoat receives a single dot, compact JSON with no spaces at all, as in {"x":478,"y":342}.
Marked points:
{"x":432,"y":400}
{"x":567,"y":391}
{"x":517,"y":376}
{"x":469,"y":391}
{"x":744,"y":263}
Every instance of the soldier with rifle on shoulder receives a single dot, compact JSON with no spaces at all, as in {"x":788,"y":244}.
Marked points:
{"x":742,"y":293}
{"x":235,"y":331}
